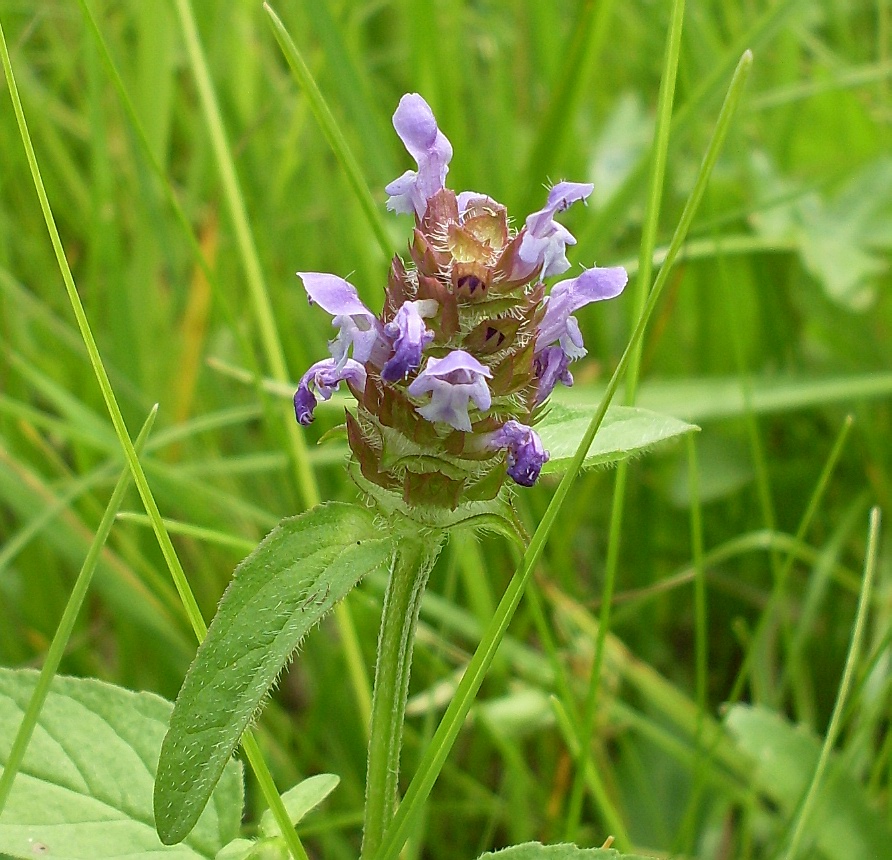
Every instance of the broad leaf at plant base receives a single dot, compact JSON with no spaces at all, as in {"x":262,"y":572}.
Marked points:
{"x":85,"y":789}
{"x":277,"y":595}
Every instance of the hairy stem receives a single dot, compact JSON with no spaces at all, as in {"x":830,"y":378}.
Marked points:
{"x":411,"y":566}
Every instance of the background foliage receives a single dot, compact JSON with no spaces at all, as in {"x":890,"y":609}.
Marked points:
{"x":774,"y":328}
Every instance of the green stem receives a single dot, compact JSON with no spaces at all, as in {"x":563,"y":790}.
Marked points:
{"x":411,"y":566}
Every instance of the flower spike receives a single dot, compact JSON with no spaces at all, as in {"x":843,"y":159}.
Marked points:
{"x":450,"y":377}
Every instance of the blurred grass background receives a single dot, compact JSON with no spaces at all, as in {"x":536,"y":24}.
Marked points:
{"x":775,"y":327}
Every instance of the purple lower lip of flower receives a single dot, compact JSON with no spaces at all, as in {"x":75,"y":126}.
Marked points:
{"x":410,"y":336}
{"x":324,"y":376}
{"x":544,"y":241}
{"x":551,"y":366}
{"x":526,"y":456}
{"x":358,"y":326}
{"x":416,"y":126}
{"x":557,"y":324}
{"x":453,"y":382}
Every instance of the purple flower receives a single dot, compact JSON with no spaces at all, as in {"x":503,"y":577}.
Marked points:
{"x":415,"y":124}
{"x":410,"y":336}
{"x":453,"y":381}
{"x":544,"y":241}
{"x":526,"y":456}
{"x":324,"y":376}
{"x":569,"y":296}
{"x":551,"y":366}
{"x":358,"y":326}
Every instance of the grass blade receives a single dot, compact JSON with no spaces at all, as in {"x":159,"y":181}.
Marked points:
{"x":639,"y":298}
{"x":858,"y":631}
{"x":332,"y":132}
{"x":66,"y":625}
{"x":436,"y":754}
{"x":139,"y":477}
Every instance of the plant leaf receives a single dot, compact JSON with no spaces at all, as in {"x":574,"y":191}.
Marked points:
{"x":625,"y":432}
{"x":282,"y":590}
{"x":300,"y":799}
{"x":565,"y":851}
{"x":85,"y":788}
{"x":784,"y":758}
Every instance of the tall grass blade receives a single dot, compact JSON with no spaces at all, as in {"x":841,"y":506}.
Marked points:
{"x":436,"y":754}
{"x":801,"y":823}
{"x":66,"y":625}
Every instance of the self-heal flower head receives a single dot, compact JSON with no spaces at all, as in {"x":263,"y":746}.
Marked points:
{"x":324,"y":377}
{"x":451,"y":376}
{"x":526,"y":455}
{"x":358,"y":326}
{"x":415,"y":124}
{"x":453,"y":382}
{"x":545,"y":241}
{"x":410,"y":336}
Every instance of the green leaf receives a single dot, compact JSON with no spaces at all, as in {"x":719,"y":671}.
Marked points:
{"x":784,"y":759}
{"x":293,"y":578}
{"x":566,"y":851}
{"x":305,"y":796}
{"x":85,"y":787}
{"x":625,"y":432}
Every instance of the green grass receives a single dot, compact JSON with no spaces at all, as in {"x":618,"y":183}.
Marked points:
{"x":189,"y":180}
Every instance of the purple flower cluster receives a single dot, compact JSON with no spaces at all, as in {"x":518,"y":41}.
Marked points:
{"x":468,"y":346}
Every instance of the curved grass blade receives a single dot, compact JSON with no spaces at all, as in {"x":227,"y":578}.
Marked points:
{"x":66,"y":625}
{"x":278,"y":594}
{"x":332,"y":132}
{"x":436,"y":754}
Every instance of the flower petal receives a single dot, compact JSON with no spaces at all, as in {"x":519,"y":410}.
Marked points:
{"x":526,"y":455}
{"x":333,"y":294}
{"x":568,"y":296}
{"x":544,"y":241}
{"x":358,"y":326}
{"x":551,"y":366}
{"x":410,"y":336}
{"x":416,"y":126}
{"x":453,"y":382}
{"x":324,"y":376}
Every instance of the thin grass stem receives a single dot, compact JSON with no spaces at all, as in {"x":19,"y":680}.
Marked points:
{"x":66,"y":625}
{"x":639,"y":300}
{"x":858,"y":630}
{"x":170,"y":556}
{"x":436,"y":754}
